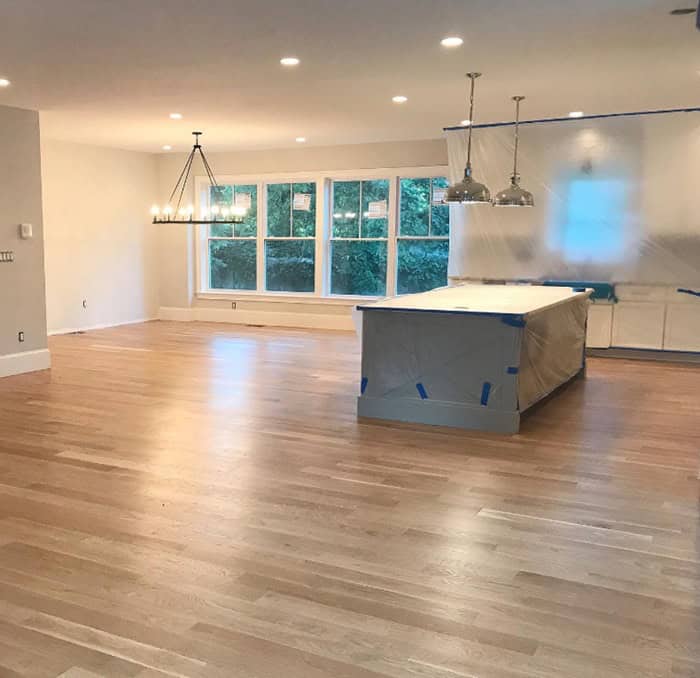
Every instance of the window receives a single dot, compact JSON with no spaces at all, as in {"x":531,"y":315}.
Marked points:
{"x":366,"y":234}
{"x":422,"y":242}
{"x":359,"y":237}
{"x":232,"y":247}
{"x":588,"y":226}
{"x":290,"y":242}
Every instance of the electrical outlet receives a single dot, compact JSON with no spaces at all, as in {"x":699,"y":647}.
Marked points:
{"x":7,"y":256}
{"x":20,"y":336}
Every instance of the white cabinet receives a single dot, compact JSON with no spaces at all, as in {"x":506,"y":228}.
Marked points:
{"x":599,"y":330}
{"x":682,"y":329}
{"x":638,"y":324}
{"x":656,"y":317}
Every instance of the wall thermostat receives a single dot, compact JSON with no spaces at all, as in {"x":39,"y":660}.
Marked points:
{"x":25,"y":231}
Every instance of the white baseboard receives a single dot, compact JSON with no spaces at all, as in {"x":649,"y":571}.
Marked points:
{"x":28,"y":361}
{"x":175,"y":313}
{"x":87,"y":328}
{"x":320,"y":321}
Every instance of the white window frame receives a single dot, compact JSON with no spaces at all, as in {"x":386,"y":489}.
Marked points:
{"x":204,"y":270}
{"x":263,"y":222}
{"x":390,"y":235}
{"x":323,"y":179}
{"x":428,"y":237}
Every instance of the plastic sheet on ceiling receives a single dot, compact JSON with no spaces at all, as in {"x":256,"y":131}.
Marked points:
{"x":615,"y":201}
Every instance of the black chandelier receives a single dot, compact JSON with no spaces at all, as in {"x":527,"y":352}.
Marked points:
{"x":179,"y":214}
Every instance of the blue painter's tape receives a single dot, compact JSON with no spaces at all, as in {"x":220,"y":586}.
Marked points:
{"x":513,"y":370}
{"x":363,"y":384}
{"x":485,"y":391}
{"x":513,"y":320}
{"x":684,"y":291}
{"x":421,"y":391}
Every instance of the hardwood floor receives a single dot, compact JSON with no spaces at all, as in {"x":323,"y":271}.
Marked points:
{"x":200,"y":500}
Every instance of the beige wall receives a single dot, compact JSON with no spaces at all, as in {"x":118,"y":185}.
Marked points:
{"x":22,"y":302}
{"x":177,"y":285}
{"x":100,"y":244}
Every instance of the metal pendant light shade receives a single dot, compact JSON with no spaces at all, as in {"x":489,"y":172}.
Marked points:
{"x":468,"y":191}
{"x":514,"y":195}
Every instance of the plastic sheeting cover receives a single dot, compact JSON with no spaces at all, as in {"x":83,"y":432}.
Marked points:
{"x":615,"y":201}
{"x":552,"y":350}
{"x":435,"y":352}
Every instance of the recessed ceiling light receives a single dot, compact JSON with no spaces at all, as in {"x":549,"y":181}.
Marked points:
{"x":576,"y":114}
{"x":176,"y":116}
{"x":399,"y":99}
{"x":4,"y":82}
{"x":300,"y":140}
{"x":167,"y":147}
{"x":453,"y":41}
{"x":290,"y":61}
{"x":682,"y":11}
{"x":465,"y":123}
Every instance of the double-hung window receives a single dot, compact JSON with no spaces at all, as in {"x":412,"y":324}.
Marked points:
{"x":370,"y":234}
{"x":359,"y":237}
{"x":232,"y":248}
{"x":423,"y":235}
{"x":290,"y":237}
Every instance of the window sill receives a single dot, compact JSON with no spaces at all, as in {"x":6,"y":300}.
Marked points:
{"x":283,"y":298}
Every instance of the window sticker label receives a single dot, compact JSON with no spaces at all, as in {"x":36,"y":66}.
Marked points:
{"x":439,"y":195}
{"x":377,"y":210}
{"x":302,"y":202}
{"x":243,"y":200}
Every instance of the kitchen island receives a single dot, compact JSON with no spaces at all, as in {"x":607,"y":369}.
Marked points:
{"x":470,"y":356}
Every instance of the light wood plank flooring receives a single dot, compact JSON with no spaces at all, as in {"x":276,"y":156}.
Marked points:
{"x":199,"y":500}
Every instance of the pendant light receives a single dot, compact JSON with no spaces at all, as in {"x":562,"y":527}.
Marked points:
{"x":467,"y":191}
{"x":177,"y":214}
{"x":514,"y":196}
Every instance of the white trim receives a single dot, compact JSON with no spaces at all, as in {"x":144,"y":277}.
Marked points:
{"x":308,"y":176}
{"x":175,"y":313}
{"x":392,"y":230}
{"x":316,"y":321}
{"x":28,"y":361}
{"x":284,"y":297}
{"x":102,"y":326}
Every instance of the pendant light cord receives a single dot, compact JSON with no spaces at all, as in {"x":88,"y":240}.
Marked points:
{"x":472,"y":77}
{"x":517,"y":100}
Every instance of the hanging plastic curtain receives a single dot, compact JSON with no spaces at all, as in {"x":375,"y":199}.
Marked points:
{"x":614,"y":201}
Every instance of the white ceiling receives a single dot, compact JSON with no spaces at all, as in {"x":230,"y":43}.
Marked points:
{"x":109,"y":72}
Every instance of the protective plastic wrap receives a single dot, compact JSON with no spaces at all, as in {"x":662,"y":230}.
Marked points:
{"x":552,"y":350}
{"x":614,"y":201}
{"x":473,"y":356}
